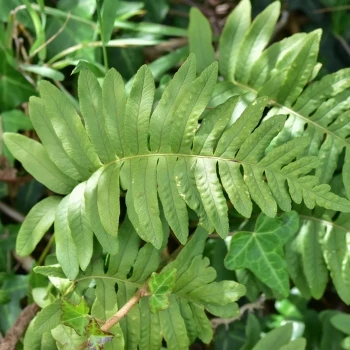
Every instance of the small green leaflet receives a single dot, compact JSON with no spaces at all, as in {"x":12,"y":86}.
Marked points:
{"x":261,"y":251}
{"x":160,"y":287}
{"x":75,"y":316}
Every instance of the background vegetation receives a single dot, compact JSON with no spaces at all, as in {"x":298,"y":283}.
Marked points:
{"x":55,"y":40}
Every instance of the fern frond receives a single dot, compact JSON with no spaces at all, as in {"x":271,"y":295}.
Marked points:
{"x":165,"y":162}
{"x":283,"y":72}
{"x":180,"y":322}
{"x":320,"y":247}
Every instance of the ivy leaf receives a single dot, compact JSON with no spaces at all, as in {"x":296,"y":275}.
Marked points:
{"x":261,"y":251}
{"x":97,"y":337}
{"x":160,"y":286}
{"x":75,"y":316}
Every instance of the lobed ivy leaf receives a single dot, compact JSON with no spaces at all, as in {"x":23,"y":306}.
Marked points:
{"x":261,"y":251}
{"x":160,"y":287}
{"x":75,"y":316}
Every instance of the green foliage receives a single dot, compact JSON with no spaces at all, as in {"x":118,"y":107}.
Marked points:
{"x":253,"y":149}
{"x":224,"y":146}
{"x":187,"y":281}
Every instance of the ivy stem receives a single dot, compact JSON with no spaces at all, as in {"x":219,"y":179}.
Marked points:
{"x":125,"y":309}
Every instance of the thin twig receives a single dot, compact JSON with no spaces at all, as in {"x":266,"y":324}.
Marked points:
{"x":125,"y":309}
{"x":12,"y":213}
{"x":215,"y":322}
{"x":332,"y":9}
{"x":344,"y":44}
{"x":17,"y":330}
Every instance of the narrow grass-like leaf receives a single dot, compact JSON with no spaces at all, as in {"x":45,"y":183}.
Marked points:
{"x":66,"y":249}
{"x":236,"y":25}
{"x":36,"y":161}
{"x":90,"y":99}
{"x":79,"y":225}
{"x":109,"y":14}
{"x":200,"y":39}
{"x":37,"y":222}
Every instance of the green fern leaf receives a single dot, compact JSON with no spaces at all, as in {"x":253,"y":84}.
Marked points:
{"x":255,"y":40}
{"x":165,"y":162}
{"x":107,"y":240}
{"x":237,"y":24}
{"x":66,"y":250}
{"x":283,"y":72}
{"x":36,"y":161}
{"x":78,"y":222}
{"x":114,"y":104}
{"x":188,"y":282}
{"x":51,"y":141}
{"x":38,"y":221}
{"x":90,"y":98}
{"x":68,"y":127}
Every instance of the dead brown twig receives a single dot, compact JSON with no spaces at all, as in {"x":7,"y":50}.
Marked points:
{"x":20,"y":326}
